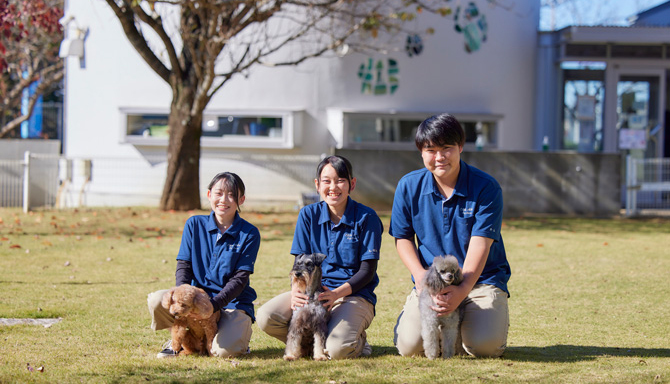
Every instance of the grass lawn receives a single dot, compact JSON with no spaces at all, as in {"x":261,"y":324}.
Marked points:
{"x":589,"y":304}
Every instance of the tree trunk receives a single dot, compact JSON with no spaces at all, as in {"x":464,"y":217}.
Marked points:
{"x":182,"y":184}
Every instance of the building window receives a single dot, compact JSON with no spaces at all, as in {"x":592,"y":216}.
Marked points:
{"x":147,"y":125}
{"x":398,"y":130}
{"x":220,"y":126}
{"x":219,"y":129}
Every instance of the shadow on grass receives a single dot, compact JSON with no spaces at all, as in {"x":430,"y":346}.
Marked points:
{"x":278,"y":353}
{"x":571,"y":353}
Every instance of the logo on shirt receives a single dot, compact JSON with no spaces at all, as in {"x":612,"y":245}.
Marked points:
{"x":233,"y":247}
{"x":467,"y":211}
{"x":350,"y":237}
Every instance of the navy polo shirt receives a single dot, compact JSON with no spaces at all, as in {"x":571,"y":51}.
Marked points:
{"x":444,"y":226}
{"x":216,"y":256}
{"x":355,"y":238}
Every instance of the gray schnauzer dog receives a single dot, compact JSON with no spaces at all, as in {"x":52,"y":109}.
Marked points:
{"x":308,"y":328}
{"x":439,"y":332}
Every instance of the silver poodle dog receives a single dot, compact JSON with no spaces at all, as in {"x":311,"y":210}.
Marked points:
{"x":308,"y":328}
{"x":439,"y":333}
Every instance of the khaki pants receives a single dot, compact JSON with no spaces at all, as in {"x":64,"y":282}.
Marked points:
{"x":483,"y":330}
{"x":231,"y":340}
{"x":349,"y":318}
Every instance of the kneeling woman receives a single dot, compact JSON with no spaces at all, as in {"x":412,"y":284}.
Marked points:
{"x":217,"y":254}
{"x":349,"y":234}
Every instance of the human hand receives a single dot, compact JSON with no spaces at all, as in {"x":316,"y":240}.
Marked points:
{"x":328,"y":297}
{"x":448,"y":300}
{"x":298,"y":299}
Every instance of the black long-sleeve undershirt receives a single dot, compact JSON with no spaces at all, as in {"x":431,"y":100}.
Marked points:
{"x":364,"y":275}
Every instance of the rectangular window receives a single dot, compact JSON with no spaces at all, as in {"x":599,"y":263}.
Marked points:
{"x":219,"y":129}
{"x":397,"y":131}
{"x":262,"y":126}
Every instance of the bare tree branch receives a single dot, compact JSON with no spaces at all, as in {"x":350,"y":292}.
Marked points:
{"x":127,"y":18}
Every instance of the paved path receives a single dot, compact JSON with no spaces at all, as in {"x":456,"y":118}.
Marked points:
{"x":46,"y":323}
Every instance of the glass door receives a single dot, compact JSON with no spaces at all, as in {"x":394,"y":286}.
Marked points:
{"x":638,"y":115}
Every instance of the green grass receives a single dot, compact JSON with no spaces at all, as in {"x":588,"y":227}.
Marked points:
{"x":589,"y":304}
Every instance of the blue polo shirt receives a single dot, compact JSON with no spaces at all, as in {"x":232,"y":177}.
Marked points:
{"x":444,"y":226}
{"x":355,"y":238}
{"x":216,"y":256}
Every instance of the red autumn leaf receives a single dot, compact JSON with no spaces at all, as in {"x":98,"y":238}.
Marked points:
{"x":14,"y":246}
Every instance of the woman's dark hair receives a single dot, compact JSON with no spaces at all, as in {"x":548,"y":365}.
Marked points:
{"x":341,"y":165}
{"x":231,"y":183}
{"x":440,"y":130}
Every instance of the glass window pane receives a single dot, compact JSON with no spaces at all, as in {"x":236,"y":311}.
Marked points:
{"x":262,"y":126}
{"x":393,"y":129}
{"x":147,"y":125}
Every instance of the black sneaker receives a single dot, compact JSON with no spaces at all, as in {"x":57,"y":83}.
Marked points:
{"x":167,"y":351}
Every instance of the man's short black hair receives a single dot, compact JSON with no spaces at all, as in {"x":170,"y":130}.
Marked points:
{"x":440,"y":130}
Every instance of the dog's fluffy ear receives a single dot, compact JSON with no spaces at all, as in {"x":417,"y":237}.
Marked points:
{"x":319,"y":258}
{"x":432,"y":282}
{"x":202,"y":307}
{"x":167,"y":298}
{"x":458,"y":277}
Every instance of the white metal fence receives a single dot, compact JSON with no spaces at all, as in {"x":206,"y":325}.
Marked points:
{"x":647,"y":185}
{"x":55,"y":181}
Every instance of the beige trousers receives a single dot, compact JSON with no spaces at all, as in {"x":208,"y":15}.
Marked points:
{"x":231,"y":340}
{"x":483,"y":330}
{"x":349,"y":318}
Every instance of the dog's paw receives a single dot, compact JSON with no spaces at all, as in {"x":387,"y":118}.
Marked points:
{"x":290,"y":357}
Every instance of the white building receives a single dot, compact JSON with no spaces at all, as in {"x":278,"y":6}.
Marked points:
{"x":272,"y":126}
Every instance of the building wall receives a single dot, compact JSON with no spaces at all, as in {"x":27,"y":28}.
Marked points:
{"x":498,"y":79}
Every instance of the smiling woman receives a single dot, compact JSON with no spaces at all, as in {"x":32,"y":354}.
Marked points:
{"x":349,"y":235}
{"x":217,"y":254}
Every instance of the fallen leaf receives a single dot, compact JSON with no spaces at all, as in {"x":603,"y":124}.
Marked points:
{"x":4,"y":239}
{"x":67,"y":264}
{"x":540,"y":245}
{"x":28,"y":367}
{"x":605,"y":243}
{"x":14,"y":246}
{"x":40,"y":369}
